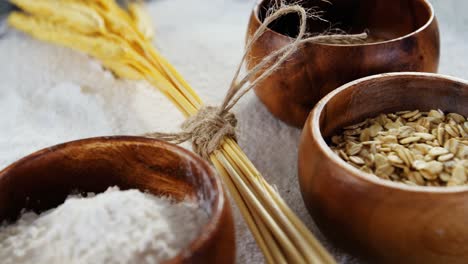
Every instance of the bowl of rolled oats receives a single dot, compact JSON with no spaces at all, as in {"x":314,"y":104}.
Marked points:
{"x":383,"y":167}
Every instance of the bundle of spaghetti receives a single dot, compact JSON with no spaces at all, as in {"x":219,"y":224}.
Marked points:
{"x":121,"y":40}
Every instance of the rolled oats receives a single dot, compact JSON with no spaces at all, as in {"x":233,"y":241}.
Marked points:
{"x":412,"y":147}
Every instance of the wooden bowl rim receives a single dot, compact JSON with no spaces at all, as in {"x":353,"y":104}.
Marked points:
{"x":314,"y":126}
{"x":207,"y":231}
{"x":429,"y":6}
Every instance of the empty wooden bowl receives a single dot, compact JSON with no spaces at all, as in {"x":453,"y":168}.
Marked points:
{"x":44,"y":179}
{"x":403,"y":36}
{"x":384,"y":221}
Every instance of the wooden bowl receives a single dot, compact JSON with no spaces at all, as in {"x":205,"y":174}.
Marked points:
{"x":44,"y":179}
{"x":405,"y":37}
{"x":383,"y":221}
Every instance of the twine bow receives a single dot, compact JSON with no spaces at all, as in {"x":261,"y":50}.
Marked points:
{"x":207,"y":129}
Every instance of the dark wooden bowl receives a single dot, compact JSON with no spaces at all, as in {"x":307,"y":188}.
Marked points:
{"x":406,"y":38}
{"x":44,"y":179}
{"x":383,"y":221}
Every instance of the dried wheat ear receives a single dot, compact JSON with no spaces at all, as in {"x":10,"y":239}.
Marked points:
{"x":412,"y":147}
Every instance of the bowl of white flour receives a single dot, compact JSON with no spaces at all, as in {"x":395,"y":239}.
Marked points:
{"x":114,"y":200}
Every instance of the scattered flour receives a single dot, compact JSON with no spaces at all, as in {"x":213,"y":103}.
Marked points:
{"x":50,"y":95}
{"x":111,"y":227}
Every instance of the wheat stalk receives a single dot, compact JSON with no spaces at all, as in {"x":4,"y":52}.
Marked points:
{"x":121,"y":41}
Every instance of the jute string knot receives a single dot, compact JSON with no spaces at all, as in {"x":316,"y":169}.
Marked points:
{"x":211,"y":125}
{"x":206,"y":130}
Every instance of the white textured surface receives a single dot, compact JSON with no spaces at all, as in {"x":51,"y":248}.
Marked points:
{"x":158,"y":228}
{"x":41,"y":102}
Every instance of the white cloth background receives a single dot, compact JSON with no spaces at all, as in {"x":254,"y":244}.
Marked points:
{"x":50,"y":94}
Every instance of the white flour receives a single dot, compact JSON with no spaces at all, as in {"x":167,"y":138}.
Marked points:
{"x":50,"y":94}
{"x":111,"y":227}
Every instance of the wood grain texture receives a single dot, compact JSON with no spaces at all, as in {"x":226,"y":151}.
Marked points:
{"x":383,"y":221}
{"x":411,"y":43}
{"x":44,"y":179}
